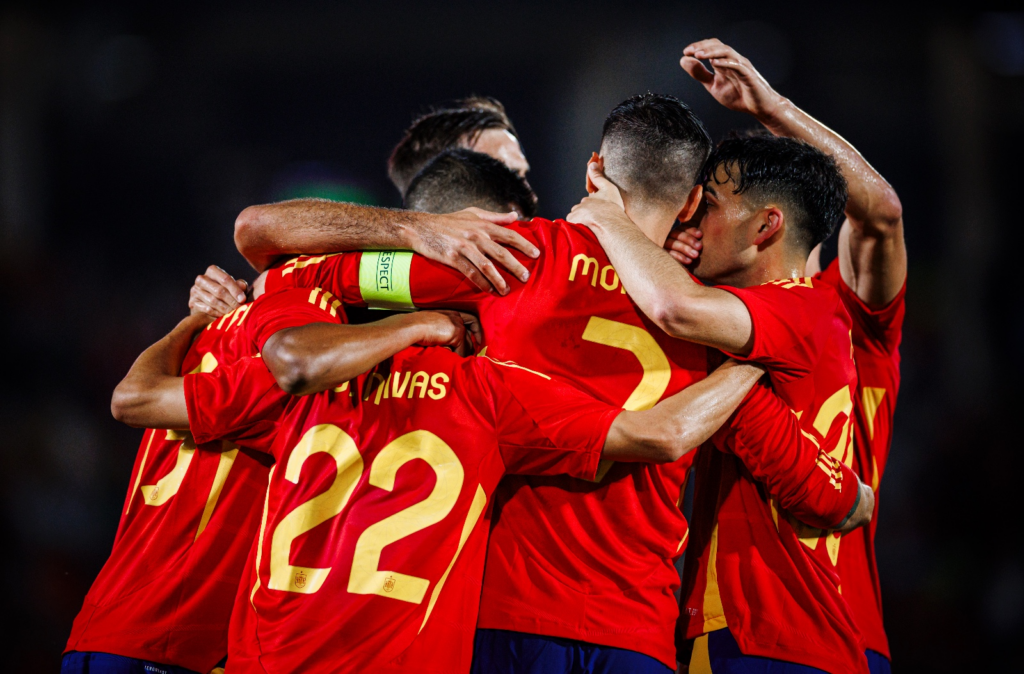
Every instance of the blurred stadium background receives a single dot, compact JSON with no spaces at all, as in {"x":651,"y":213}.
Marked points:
{"x":130,"y":138}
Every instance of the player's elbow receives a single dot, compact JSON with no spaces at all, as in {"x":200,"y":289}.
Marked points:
{"x":886,"y":215}
{"x":293,"y":368}
{"x":249,"y":226}
{"x":125,"y":401}
{"x":669,"y":314}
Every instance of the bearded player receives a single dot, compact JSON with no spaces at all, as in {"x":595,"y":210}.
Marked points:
{"x":553,"y":584}
{"x":870,"y":277}
{"x":768,"y":202}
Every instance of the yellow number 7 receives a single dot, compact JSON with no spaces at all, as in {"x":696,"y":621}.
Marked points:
{"x":656,"y":369}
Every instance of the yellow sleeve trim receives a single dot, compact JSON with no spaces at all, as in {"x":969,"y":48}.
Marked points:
{"x":384,"y":279}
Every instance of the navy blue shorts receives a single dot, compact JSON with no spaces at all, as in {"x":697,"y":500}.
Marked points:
{"x":105,"y":663}
{"x":878,"y":663}
{"x":718,"y":653}
{"x":504,"y":652}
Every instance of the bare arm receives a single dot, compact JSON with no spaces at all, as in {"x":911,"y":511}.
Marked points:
{"x":654,"y":280}
{"x":872,"y":252}
{"x":684,"y":421}
{"x":316,"y":357}
{"x":152,"y":394}
{"x":467,"y":240}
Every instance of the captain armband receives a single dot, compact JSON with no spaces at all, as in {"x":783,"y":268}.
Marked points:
{"x":384,"y":279}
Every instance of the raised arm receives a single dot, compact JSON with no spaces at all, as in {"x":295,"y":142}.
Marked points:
{"x":661,"y":288}
{"x":152,"y":395}
{"x":872,"y":252}
{"x":467,"y":240}
{"x":678,"y":424}
{"x":316,"y":357}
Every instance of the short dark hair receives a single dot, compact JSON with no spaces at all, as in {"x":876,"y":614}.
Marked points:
{"x":805,"y":181}
{"x":654,"y":146}
{"x":441,"y":129}
{"x":459,"y":178}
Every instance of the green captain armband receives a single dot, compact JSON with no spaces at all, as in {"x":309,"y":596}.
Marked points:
{"x":384,"y":279}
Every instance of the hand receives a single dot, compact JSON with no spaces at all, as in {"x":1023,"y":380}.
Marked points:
{"x":469,"y":239}
{"x":605,"y":203}
{"x":865,"y":509}
{"x":684,"y":245}
{"x":734,"y":83}
{"x":446,"y":328}
{"x":598,"y":185}
{"x":216,"y":293}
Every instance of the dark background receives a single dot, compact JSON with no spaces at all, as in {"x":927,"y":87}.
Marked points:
{"x":131,"y":138}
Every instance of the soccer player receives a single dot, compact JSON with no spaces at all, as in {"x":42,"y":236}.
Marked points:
{"x":477,"y":123}
{"x":869,"y":275}
{"x":164,"y":597}
{"x":769,"y":201}
{"x":409,"y":456}
{"x":567,"y":560}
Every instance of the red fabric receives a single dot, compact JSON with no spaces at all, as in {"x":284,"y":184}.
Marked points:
{"x":765,"y":436}
{"x":474,"y":419}
{"x":165,"y":594}
{"x":876,"y":341}
{"x":779,"y":593}
{"x":569,"y":558}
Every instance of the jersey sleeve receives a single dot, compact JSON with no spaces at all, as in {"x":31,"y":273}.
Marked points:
{"x":882,"y":327}
{"x":765,"y":436}
{"x":240,"y":402}
{"x":291,"y":308}
{"x":785,"y":317}
{"x":390,"y":279}
{"x":546,"y":427}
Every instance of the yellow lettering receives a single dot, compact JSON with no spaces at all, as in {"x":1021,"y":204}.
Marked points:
{"x":421,"y":383}
{"x":609,"y":285}
{"x":382,"y":389}
{"x":587,"y":263}
{"x":374,"y":377}
{"x":398,"y":390}
{"x":437,"y":386}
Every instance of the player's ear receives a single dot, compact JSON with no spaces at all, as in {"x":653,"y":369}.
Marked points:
{"x":594,"y":157}
{"x":693,"y":200}
{"x":771,"y":222}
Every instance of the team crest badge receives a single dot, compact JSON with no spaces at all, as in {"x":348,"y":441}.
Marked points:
{"x":300,"y":579}
{"x":389,"y":583}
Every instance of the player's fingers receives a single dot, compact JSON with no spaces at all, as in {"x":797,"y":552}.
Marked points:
{"x":505,"y":258}
{"x":212,"y":304}
{"x":596,"y":175}
{"x":218,"y":275}
{"x":696,"y":70}
{"x":510,"y":237}
{"x":680,"y":258}
{"x":472,"y":273}
{"x":701,"y":45}
{"x":227,"y":297}
{"x":729,"y":64}
{"x":685,"y":248}
{"x":486,"y":268}
{"x":495,"y":218}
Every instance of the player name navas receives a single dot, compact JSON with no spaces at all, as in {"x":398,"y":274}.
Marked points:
{"x":606,"y":275}
{"x":398,"y":384}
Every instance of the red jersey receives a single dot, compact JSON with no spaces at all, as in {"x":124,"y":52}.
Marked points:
{"x":876,"y":341}
{"x":189,"y":519}
{"x":767,"y":577}
{"x":567,"y":558}
{"x":409,"y":456}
